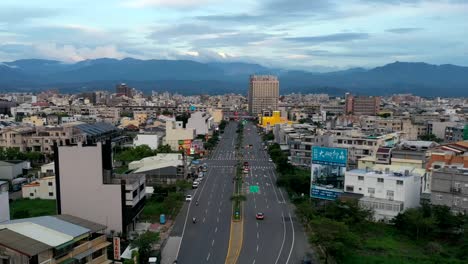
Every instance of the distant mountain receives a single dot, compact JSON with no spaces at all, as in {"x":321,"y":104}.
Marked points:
{"x":190,"y":77}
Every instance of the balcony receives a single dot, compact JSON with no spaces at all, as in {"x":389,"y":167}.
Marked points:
{"x":455,"y":190}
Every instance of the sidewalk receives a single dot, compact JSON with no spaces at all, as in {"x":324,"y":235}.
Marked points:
{"x":235,"y":242}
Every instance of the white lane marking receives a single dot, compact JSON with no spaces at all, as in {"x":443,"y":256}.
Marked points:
{"x":257,"y":224}
{"x":203,"y":220}
{"x":216,"y":229}
{"x":253,"y":262}
{"x":217,"y":219}
{"x":212,"y":242}
{"x":257,"y":248}
{"x":208,"y":257}
{"x":284,"y":238}
{"x":293,"y":238}
{"x":258,"y":235}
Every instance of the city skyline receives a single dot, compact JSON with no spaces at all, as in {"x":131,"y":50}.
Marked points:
{"x":312,"y":35}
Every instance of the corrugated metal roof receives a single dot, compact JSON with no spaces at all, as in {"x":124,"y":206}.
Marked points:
{"x":56,"y":224}
{"x":21,"y":243}
{"x":40,"y":233}
{"x":92,"y":226}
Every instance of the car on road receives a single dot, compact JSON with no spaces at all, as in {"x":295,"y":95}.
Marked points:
{"x":188,"y":197}
{"x":259,"y":216}
{"x":270,"y":160}
{"x":195,"y":185}
{"x":199,"y":179}
{"x":307,"y":259}
{"x":246,"y":163}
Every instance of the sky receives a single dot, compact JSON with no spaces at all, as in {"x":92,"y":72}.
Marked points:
{"x":317,"y":35}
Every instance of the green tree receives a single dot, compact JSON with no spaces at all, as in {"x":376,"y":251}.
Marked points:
{"x":164,"y":149}
{"x":431,"y":137}
{"x":144,"y":243}
{"x":414,"y":223}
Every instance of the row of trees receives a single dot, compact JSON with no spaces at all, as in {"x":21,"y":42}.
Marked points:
{"x":140,"y":152}
{"x":15,"y":154}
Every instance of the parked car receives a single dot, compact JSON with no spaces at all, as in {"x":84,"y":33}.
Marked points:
{"x":259,"y":216}
{"x":188,"y":197}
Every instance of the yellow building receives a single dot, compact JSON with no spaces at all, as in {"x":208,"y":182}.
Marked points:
{"x":217,"y":115}
{"x":140,"y":117}
{"x":274,"y":119}
{"x":34,"y":120}
{"x":126,"y":121}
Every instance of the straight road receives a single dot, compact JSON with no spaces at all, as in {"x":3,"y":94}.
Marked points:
{"x":279,"y":238}
{"x":207,"y":240}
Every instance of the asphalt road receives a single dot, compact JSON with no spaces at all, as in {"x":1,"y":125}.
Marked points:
{"x":207,"y":240}
{"x":279,"y":238}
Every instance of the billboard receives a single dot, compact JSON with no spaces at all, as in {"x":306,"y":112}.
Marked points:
{"x":116,"y":242}
{"x":328,"y":168}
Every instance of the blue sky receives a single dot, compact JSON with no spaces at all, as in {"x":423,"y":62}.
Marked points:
{"x":296,"y":34}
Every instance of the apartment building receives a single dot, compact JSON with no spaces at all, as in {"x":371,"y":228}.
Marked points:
{"x":151,"y":140}
{"x":192,"y":108}
{"x":177,"y":134}
{"x":86,"y":186}
{"x":53,"y":239}
{"x":263,"y":93}
{"x":456,"y":133}
{"x":43,"y":188}
{"x":449,"y":187}
{"x":35,"y":120}
{"x":381,"y":125}
{"x":385,"y":192}
{"x":362,"y":105}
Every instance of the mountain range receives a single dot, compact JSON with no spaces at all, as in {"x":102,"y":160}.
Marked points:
{"x":190,"y":77}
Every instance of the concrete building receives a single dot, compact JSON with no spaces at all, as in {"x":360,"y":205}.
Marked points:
{"x":47,"y":170}
{"x":35,"y":120}
{"x":4,"y":202}
{"x":10,"y":169}
{"x":438,"y":128}
{"x":202,"y":123}
{"x":269,"y":119}
{"x":52,"y":239}
{"x":263,"y":93}
{"x":449,"y":187}
{"x":44,"y":189}
{"x":151,"y":140}
{"x":362,"y":105}
{"x":455,"y":133}
{"x":177,"y":135}
{"x":86,"y":186}
{"x":385,"y":192}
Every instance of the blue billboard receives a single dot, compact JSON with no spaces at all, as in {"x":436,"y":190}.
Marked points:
{"x":329,"y":156}
{"x":324,"y":193}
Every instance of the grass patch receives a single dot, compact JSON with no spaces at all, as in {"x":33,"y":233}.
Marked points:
{"x":169,"y":205}
{"x":24,"y":208}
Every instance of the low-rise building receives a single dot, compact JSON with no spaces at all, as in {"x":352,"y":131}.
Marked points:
{"x":35,"y":120}
{"x":10,"y":169}
{"x":201,"y":122}
{"x":449,"y":187}
{"x":385,"y":192}
{"x":53,"y":239}
{"x":43,"y":188}
{"x":164,"y":168}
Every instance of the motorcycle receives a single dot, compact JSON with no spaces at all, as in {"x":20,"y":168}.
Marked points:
{"x":194,"y":220}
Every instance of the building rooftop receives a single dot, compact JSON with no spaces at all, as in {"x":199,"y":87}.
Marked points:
{"x":21,"y":243}
{"x":92,"y":226}
{"x":38,"y":232}
{"x":383,"y":173}
{"x":56,"y":224}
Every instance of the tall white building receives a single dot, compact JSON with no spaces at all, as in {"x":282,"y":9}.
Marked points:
{"x":87,"y":187}
{"x":4,"y":202}
{"x":263,"y":93}
{"x":385,"y":192}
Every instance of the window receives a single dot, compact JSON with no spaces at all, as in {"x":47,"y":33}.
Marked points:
{"x":51,"y":194}
{"x":390,"y":195}
{"x":379,"y":179}
{"x":371,"y":190}
{"x":399,"y":182}
{"x":31,"y":194}
{"x":135,"y":193}
{"x":360,"y":178}
{"x":49,"y":183}
{"x":98,"y":253}
{"x":439,"y":197}
{"x":350,"y":188}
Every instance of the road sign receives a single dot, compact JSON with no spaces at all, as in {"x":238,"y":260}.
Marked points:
{"x":254,"y":189}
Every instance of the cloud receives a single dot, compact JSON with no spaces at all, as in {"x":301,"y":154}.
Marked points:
{"x":165,"y":3}
{"x":339,"y":37}
{"x":299,"y":6}
{"x":13,"y":14}
{"x":185,"y":30}
{"x":403,"y":30}
{"x":232,"y":40}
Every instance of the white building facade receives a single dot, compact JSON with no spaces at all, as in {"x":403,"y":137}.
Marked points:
{"x":147,"y":139}
{"x":43,"y":188}
{"x":386,"y":193}
{"x":4,"y":202}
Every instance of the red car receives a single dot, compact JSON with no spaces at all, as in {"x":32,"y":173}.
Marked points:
{"x":259,"y":216}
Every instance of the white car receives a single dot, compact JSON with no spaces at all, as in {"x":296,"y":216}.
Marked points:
{"x":199,"y":179}
{"x":270,"y":160}
{"x":195,"y":185}
{"x":188,"y":198}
